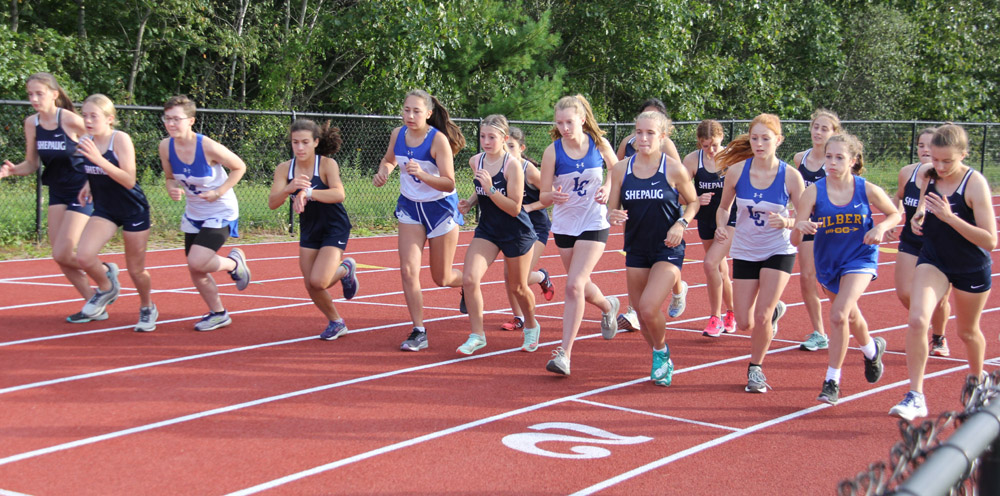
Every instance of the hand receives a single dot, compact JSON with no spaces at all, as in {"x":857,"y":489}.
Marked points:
{"x":939,"y":207}
{"x":299,"y":202}
{"x":484,"y":179}
{"x":381,"y":176}
{"x":301,"y":182}
{"x":674,"y":235}
{"x":7,"y":169}
{"x":83,"y":197}
{"x":413,"y":169}
{"x":559,"y":197}
{"x":917,"y":222}
{"x":705,"y":198}
{"x":808,"y":226}
{"x":776,"y":220}
{"x":210,"y":195}
{"x":874,"y":236}
{"x":88,"y":149}
{"x":601,"y":195}
{"x":892,"y":235}
{"x":617,"y":217}
{"x":464,"y":206}
{"x":176,"y":194}
{"x":721,"y":234}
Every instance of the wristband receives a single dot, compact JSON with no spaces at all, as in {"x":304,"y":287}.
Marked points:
{"x":493,"y":189}
{"x":683,"y":221}
{"x":309,"y":194}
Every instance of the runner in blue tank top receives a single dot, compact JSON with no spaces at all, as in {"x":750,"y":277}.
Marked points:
{"x":911,"y":179}
{"x":846,"y":252}
{"x":311,"y":180}
{"x":956,"y":219}
{"x":708,"y":184}
{"x":647,"y":195}
{"x":193,"y":169}
{"x":678,"y":301}
{"x":822,"y":125}
{"x":108,"y":158}
{"x":50,"y":138}
{"x":427,"y":209}
{"x":503,"y":227}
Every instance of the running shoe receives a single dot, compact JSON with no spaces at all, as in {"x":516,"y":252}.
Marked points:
{"x":80,"y":318}
{"x":531,"y":337}
{"x":939,"y":346}
{"x":714,"y":327}
{"x":97,"y":304}
{"x":461,"y":304}
{"x":678,"y":302}
{"x":873,"y":367}
{"x":729,"y":322}
{"x":475,"y":342}
{"x":334,"y":330}
{"x":779,"y":312}
{"x":912,"y":406}
{"x":112,"y":274}
{"x":147,"y":319}
{"x":628,"y":321}
{"x":756,"y":382}
{"x":548,"y":290}
{"x":212,"y":321}
{"x":830,"y":393}
{"x":663,"y":368}
{"x":815,"y":341}
{"x":349,"y":283}
{"x":609,"y":321}
{"x":559,"y":362}
{"x":416,"y":341}
{"x":514,"y":324}
{"x":241,"y":274}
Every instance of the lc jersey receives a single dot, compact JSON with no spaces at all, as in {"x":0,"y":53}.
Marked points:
{"x":840,"y":242}
{"x":55,"y":150}
{"x":808,"y":176}
{"x":494,"y":223}
{"x":108,"y":194}
{"x":580,"y":178}
{"x":319,"y":215}
{"x":754,"y":239}
{"x":653,"y":208}
{"x":198,"y":177}
{"x":943,"y":246}
{"x":709,"y":182}
{"x":409,"y":186}
{"x":911,"y":197}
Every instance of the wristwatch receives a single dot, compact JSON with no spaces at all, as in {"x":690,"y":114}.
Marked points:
{"x":309,"y":193}
{"x":493,"y":189}
{"x":683,"y":221}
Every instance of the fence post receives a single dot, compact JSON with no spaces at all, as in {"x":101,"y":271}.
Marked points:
{"x":479,"y":149}
{"x":982,"y":153}
{"x":732,"y":129}
{"x":913,"y":142}
{"x":38,"y":204}
{"x":291,"y":211}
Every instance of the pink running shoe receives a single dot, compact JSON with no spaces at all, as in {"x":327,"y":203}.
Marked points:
{"x":714,"y":327}
{"x":729,"y":322}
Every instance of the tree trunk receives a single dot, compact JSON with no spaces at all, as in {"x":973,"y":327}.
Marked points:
{"x":137,"y":56}
{"x":244,"y":5}
{"x":81,"y":19}
{"x":15,"y":14}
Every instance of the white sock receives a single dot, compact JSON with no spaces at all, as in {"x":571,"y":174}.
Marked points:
{"x":421,"y":329}
{"x":833,"y":374}
{"x":869,"y":349}
{"x":661,"y":350}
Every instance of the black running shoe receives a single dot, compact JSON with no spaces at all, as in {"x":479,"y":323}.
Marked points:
{"x":461,"y":304}
{"x":873,"y":367}
{"x":830,"y":393}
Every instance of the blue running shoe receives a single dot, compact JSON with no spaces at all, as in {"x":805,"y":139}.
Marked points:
{"x":349,"y":283}
{"x":663,"y":368}
{"x":472,"y":344}
{"x":334,"y":330}
{"x":531,"y":337}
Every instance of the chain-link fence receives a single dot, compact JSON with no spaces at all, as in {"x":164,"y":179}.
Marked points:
{"x":261,"y":139}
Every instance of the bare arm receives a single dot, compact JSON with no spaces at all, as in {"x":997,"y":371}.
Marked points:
{"x":280,"y":187}
{"x":173,"y":189}
{"x":880,"y":200}
{"x":388,"y":162}
{"x":329,"y":173}
{"x":31,"y":161}
{"x":217,"y":153}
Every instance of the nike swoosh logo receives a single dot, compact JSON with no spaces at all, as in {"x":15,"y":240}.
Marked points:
{"x":136,"y":224}
{"x":341,"y":243}
{"x":977,"y":287}
{"x":57,"y":135}
{"x":858,"y":205}
{"x":671,"y":258}
{"x":75,"y":205}
{"x":654,"y":183}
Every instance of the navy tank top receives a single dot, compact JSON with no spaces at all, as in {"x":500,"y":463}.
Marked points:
{"x":318,"y":215}
{"x":911,"y":196}
{"x":943,"y":246}
{"x":56,"y":152}
{"x":109,"y":195}
{"x":653,"y":207}
{"x":630,"y":147}
{"x":709,"y":182}
{"x":538,"y":218}
{"x":808,"y":176}
{"x":494,"y":223}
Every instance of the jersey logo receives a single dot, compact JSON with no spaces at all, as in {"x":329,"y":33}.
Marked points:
{"x":579,"y":165}
{"x":755,"y":216}
{"x":579,"y":187}
{"x":758,"y":195}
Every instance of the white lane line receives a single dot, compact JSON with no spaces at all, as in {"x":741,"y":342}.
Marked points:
{"x":5,"y":492}
{"x":657,"y":415}
{"x":743,"y":432}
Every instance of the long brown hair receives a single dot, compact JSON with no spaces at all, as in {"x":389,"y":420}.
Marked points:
{"x":855,"y":149}
{"x":440,"y":120}
{"x":949,"y":136}
{"x":582,"y":107}
{"x":739,"y":148}
{"x":63,"y":100}
{"x":328,"y":136}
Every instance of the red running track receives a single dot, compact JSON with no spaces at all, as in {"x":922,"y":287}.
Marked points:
{"x":264,"y":406}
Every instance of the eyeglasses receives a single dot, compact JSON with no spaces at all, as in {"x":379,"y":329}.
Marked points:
{"x":172,"y":120}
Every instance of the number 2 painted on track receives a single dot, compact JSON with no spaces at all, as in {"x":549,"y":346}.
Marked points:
{"x":528,"y":441}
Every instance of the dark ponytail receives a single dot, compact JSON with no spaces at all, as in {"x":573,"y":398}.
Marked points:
{"x":328,"y":136}
{"x":442,"y":122}
{"x":63,"y":100}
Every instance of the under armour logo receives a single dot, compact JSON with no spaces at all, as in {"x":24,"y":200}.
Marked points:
{"x":187,"y":171}
{"x":758,"y":195}
{"x":579,"y":165}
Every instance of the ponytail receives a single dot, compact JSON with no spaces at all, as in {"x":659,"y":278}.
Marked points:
{"x":855,"y":149}
{"x":582,"y":107}
{"x":63,"y":100}
{"x":328,"y":136}
{"x":739,"y":149}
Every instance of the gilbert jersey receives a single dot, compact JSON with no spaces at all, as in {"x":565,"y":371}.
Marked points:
{"x":580,"y":178}
{"x":409,"y":186}
{"x":198,"y":177}
{"x":754,"y":239}
{"x":840,"y":241}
